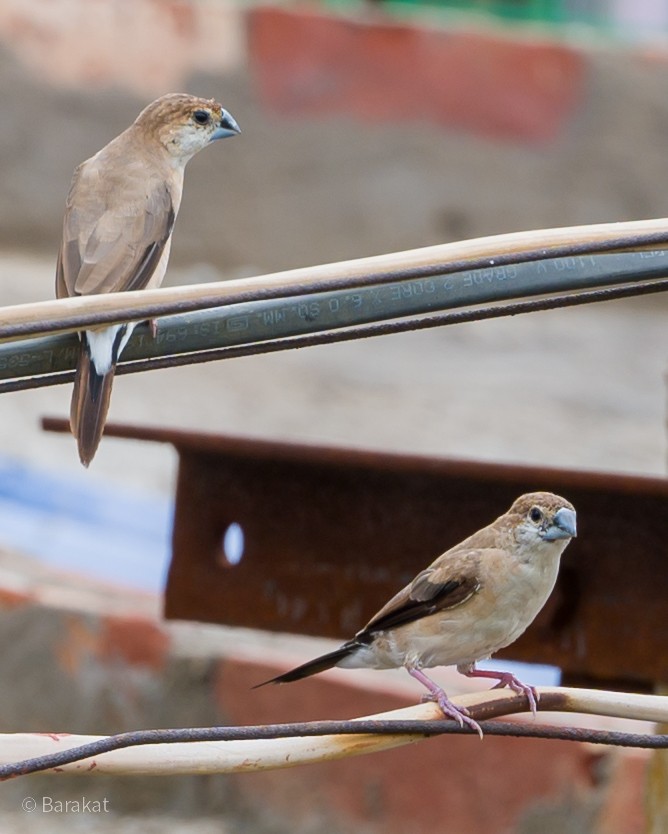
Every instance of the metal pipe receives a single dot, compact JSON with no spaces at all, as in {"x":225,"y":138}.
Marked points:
{"x":72,"y":314}
{"x":256,"y":326}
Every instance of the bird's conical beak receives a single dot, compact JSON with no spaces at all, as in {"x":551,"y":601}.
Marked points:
{"x":227,"y":126}
{"x":563,"y":526}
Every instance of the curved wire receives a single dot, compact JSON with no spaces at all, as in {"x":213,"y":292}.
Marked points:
{"x":413,"y":727}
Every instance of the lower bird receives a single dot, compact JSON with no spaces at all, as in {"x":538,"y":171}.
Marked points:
{"x":473,"y":600}
{"x":117,"y":233}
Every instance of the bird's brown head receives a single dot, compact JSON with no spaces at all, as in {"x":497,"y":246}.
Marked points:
{"x":184,"y":124}
{"x":543,"y":517}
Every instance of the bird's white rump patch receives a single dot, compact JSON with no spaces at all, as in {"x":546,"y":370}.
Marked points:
{"x":101,"y":345}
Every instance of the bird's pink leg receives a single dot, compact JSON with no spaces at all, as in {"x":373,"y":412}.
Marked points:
{"x":449,"y":710}
{"x":153,"y":327}
{"x":504,"y":679}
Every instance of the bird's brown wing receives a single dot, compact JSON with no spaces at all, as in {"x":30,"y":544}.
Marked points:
{"x":113,"y":238}
{"x":445,"y":584}
{"x":449,"y":581}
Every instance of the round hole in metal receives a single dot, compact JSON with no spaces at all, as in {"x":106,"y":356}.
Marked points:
{"x":233,"y":544}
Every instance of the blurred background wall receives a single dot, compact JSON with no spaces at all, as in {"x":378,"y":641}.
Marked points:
{"x":364,"y":131}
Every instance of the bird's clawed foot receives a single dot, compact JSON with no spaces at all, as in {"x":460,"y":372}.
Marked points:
{"x":531,"y":693}
{"x":459,"y":714}
{"x":507,"y":679}
{"x":449,"y":710}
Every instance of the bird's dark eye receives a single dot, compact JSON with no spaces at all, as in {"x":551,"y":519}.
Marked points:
{"x":202,"y":117}
{"x":535,"y":514}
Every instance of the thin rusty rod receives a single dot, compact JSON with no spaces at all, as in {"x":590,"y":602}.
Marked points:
{"x":287,"y":745}
{"x":425,"y":728}
{"x":357,"y":332}
{"x":72,"y":314}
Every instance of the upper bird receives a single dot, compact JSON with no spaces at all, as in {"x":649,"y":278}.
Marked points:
{"x":473,"y":600}
{"x":117,"y":233}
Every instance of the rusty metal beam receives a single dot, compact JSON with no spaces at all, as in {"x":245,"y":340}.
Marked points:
{"x":331,"y":534}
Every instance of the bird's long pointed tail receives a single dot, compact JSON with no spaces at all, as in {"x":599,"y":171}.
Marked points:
{"x":312,"y":667}
{"x":90,"y":403}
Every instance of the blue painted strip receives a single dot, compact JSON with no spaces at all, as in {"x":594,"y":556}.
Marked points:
{"x":535,"y":674}
{"x":83,"y":525}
